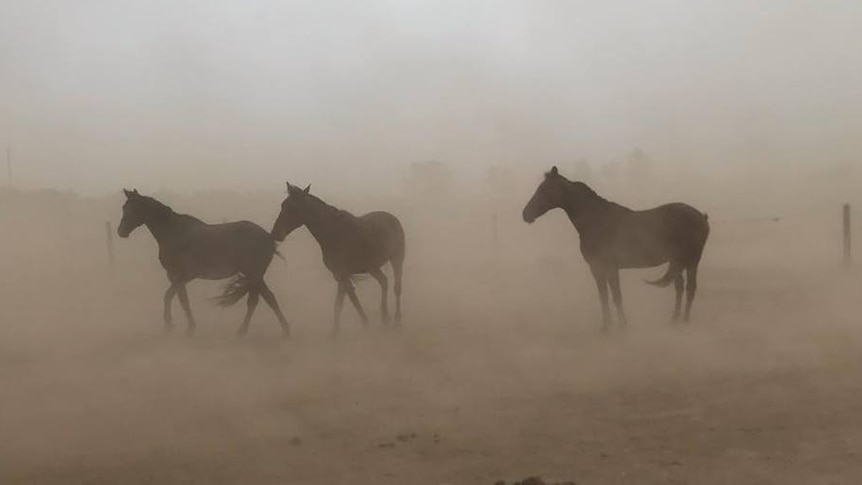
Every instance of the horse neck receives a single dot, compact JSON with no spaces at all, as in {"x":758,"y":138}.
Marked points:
{"x":589,"y":211}
{"x":324,"y":222}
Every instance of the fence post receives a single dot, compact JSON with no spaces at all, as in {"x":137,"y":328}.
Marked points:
{"x":109,"y":234}
{"x":9,"y":166}
{"x":848,"y":256}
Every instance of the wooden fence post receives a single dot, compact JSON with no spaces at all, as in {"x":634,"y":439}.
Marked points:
{"x":109,"y":234}
{"x":848,"y":256}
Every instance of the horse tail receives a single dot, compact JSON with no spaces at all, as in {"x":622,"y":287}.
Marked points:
{"x":674,"y":270}
{"x":234,"y":291}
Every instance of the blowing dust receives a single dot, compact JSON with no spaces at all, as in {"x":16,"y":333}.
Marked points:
{"x":499,"y":371}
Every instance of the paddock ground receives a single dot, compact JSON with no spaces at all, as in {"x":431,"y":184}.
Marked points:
{"x":498,"y":373}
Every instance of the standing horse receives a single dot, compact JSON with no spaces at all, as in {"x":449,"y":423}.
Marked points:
{"x":614,"y":237}
{"x":191,"y":249}
{"x":351,"y":246}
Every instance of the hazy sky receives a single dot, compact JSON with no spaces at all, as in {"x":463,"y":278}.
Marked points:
{"x":182,"y":94}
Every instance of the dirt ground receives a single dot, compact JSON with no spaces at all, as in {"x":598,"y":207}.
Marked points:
{"x":499,"y":372}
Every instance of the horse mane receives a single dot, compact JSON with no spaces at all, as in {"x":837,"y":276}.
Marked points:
{"x":583,"y":188}
{"x":327,"y":206}
{"x":580,"y":186}
{"x":166,"y":210}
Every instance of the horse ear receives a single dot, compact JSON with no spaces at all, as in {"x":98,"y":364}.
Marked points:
{"x":136,"y":192}
{"x":307,"y":189}
{"x":554,"y":171}
{"x":128,"y":193}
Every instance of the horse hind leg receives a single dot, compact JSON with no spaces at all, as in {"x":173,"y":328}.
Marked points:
{"x":679,"y":286}
{"x":398,"y":273}
{"x":378,"y":275}
{"x":690,"y":290}
{"x":169,"y":298}
{"x":270,"y":300}
{"x":251,"y":306}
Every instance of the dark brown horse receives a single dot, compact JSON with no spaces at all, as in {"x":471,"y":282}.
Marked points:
{"x":614,"y":237}
{"x":351,"y":246}
{"x":190,"y":249}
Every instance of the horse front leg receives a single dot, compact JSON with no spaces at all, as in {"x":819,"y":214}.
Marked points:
{"x":617,"y":294}
{"x":169,"y":298}
{"x":184,"y":301}
{"x":601,"y":277}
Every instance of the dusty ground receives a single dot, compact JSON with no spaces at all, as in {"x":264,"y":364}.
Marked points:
{"x":499,"y":373}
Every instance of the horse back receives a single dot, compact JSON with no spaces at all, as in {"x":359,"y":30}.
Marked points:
{"x":682,"y":220}
{"x":646,"y":238}
{"x":670,"y":231}
{"x":215,"y":251}
{"x":365,"y":243}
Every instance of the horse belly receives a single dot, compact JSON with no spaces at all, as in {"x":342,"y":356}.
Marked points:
{"x":641,"y":262}
{"x":353,"y":263}
{"x":217,"y":273}
{"x":209,"y":265}
{"x":644,"y":254}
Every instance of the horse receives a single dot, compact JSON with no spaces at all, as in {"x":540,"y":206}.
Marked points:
{"x":190,"y":249}
{"x":350,"y":245}
{"x":614,"y":237}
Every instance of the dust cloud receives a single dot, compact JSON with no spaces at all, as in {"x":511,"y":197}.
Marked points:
{"x":499,"y":371}
{"x":446,"y":116}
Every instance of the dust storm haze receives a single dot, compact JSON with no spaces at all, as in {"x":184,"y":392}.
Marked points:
{"x":445,"y":114}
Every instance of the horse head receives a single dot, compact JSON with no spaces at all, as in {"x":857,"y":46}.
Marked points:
{"x":293,"y":212}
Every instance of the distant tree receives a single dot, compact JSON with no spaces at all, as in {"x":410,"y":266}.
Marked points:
{"x":609,"y":174}
{"x":429,"y":179}
{"x":639,"y":168}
